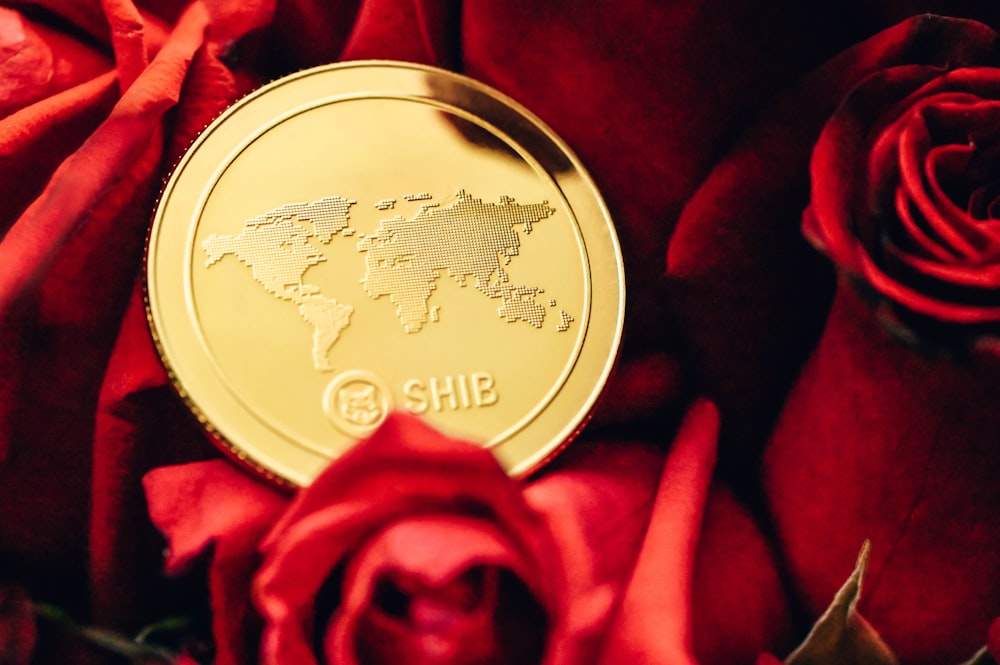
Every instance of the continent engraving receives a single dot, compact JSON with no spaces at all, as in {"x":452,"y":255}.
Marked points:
{"x":564,"y":321}
{"x":404,"y":258}
{"x":467,"y":238}
{"x":278,"y":253}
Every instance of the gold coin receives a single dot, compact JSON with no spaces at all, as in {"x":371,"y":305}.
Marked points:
{"x":376,"y":236}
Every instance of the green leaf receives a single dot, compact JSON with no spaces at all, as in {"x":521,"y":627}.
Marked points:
{"x":842,"y":636}
{"x":982,"y":657}
{"x":108,"y":640}
{"x":174,"y":624}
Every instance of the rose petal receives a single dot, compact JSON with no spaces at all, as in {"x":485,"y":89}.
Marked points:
{"x":200,"y":503}
{"x":422,"y":556}
{"x":405,"y":468}
{"x":981,"y":277}
{"x":436,"y":550}
{"x":924,"y":303}
{"x":739,"y":604}
{"x":30,"y":245}
{"x":134,"y":431}
{"x":440,"y":24}
{"x":26,"y":63}
{"x":983,"y":202}
{"x":878,"y":442}
{"x":597,"y":499}
{"x":210,"y":506}
{"x":920,"y":239}
{"x":653,"y":621}
{"x":943,"y":216}
{"x":597,"y":493}
{"x":993,"y":640}
{"x":388,"y":29}
{"x":127,"y":40}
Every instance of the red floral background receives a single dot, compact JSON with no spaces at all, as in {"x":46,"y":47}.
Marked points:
{"x":808,"y":199}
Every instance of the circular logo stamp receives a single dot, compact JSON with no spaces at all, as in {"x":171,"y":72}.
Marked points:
{"x":356,"y":402}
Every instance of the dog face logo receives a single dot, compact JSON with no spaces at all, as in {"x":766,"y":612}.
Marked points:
{"x":359,"y":404}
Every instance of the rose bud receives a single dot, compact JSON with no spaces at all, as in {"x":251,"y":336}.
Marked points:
{"x":876,"y":440}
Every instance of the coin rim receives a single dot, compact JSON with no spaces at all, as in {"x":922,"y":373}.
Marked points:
{"x":525,"y":464}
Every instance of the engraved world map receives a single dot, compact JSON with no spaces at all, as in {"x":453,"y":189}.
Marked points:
{"x":469,"y":239}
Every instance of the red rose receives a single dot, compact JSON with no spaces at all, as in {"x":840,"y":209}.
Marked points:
{"x":750,"y":296}
{"x":412,"y":547}
{"x":417,"y":548}
{"x":906,"y":195}
{"x":875,"y":440}
{"x":649,"y":94}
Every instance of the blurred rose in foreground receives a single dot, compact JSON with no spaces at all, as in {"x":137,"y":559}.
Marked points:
{"x":416,"y":549}
{"x":412,"y":548}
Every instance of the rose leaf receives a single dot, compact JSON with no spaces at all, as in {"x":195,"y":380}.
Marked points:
{"x":842,"y":636}
{"x":982,"y":657}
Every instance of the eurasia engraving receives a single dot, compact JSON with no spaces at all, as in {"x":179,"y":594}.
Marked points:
{"x":469,"y":239}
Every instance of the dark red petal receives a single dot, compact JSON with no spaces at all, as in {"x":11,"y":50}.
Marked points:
{"x":923,"y":303}
{"x":993,"y":639}
{"x":200,"y":503}
{"x":941,"y":216}
{"x":28,"y":249}
{"x":879,"y":442}
{"x":984,"y":202}
{"x":920,"y":240}
{"x":422,"y":558}
{"x":211,"y":506}
{"x":985,"y":277}
{"x":654,"y":620}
